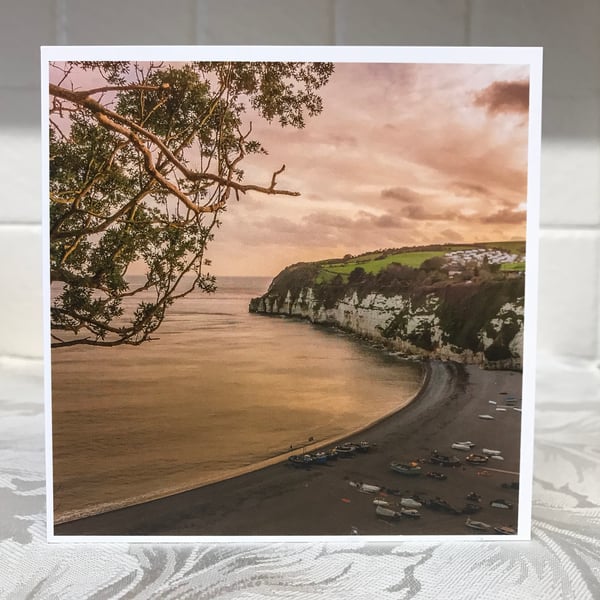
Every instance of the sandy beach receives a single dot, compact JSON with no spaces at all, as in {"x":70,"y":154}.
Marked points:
{"x":320,"y":500}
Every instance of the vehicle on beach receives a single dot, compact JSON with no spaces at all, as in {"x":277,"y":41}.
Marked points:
{"x":457,"y":446}
{"x":490,"y":451}
{"x":436,"y":475}
{"x":446,"y":461}
{"x":387,"y":513}
{"x":479,"y":525}
{"x":486,"y":417}
{"x":477,"y":459}
{"x":505,"y":530}
{"x":408,"y":468}
{"x":500,"y":503}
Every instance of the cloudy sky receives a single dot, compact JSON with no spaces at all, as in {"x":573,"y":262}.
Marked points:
{"x":402,"y":154}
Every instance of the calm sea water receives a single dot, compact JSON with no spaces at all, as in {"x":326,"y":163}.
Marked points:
{"x":219,"y":392}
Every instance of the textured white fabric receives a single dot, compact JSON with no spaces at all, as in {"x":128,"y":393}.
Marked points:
{"x":561,"y":562}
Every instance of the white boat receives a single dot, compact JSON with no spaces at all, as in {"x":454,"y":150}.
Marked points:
{"x":467,"y":443}
{"x":410,"y":512}
{"x":517,"y":409}
{"x":365,"y":487}
{"x":410,"y":503}
{"x":388,"y":513}
{"x":381,"y":502}
{"x":501,"y":409}
{"x":488,"y":417}
{"x":492,"y":401}
{"x":477,"y":525}
{"x":497,"y":457}
{"x":458,"y":446}
{"x":490,"y":452}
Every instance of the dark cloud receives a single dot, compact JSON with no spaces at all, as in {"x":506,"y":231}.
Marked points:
{"x":452,"y":236}
{"x":470,"y":189}
{"x":403,"y":194}
{"x":504,"y":97}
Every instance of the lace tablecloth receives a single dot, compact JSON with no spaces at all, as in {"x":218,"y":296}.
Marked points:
{"x":562,"y":561}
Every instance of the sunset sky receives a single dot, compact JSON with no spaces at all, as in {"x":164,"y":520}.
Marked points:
{"x":402,"y":154}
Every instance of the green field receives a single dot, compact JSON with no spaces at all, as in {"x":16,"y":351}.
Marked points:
{"x":374,"y":262}
{"x":375,"y":265}
{"x":516,"y":266}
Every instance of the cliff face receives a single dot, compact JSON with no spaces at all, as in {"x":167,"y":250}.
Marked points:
{"x":480,"y":323}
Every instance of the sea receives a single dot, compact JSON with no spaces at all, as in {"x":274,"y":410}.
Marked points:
{"x":220,"y":392}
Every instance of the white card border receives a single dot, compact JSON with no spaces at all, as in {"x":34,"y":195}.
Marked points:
{"x":530,"y":56}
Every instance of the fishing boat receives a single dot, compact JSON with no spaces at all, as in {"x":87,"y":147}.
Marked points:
{"x":300,"y":460}
{"x":436,"y":475}
{"x":457,"y":446}
{"x":318,"y":458}
{"x":410,"y":512}
{"x":410,"y":468}
{"x":467,"y":443}
{"x":365,"y":487}
{"x":387,"y":513}
{"x":345,"y":450}
{"x":360,"y":446}
{"x":500,"y":504}
{"x":476,"y":459}
{"x":447,"y":461}
{"x":497,"y":457}
{"x":381,"y":502}
{"x":479,"y":525}
{"x":409,"y":503}
{"x":505,"y":530}
{"x":490,"y":451}
{"x":486,"y":417}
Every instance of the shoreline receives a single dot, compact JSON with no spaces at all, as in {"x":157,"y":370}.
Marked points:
{"x":282,"y":500}
{"x":273,"y":460}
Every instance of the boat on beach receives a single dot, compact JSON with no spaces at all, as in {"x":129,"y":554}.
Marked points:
{"x":490,"y":452}
{"x":409,"y":468}
{"x":387,"y":513}
{"x":457,"y":446}
{"x":505,"y":530}
{"x":301,"y":460}
{"x":477,"y":459}
{"x":479,"y":525}
{"x":447,"y":461}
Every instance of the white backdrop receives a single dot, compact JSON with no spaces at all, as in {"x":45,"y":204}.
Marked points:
{"x":563,"y":560}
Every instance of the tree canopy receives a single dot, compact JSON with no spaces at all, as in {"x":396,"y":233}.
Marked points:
{"x":144,"y":159}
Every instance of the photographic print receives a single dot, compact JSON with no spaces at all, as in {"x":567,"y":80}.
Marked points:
{"x":290,"y":291}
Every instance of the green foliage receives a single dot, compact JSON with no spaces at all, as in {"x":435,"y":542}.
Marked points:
{"x":515,"y":267}
{"x":465,"y":308}
{"x":142,"y":166}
